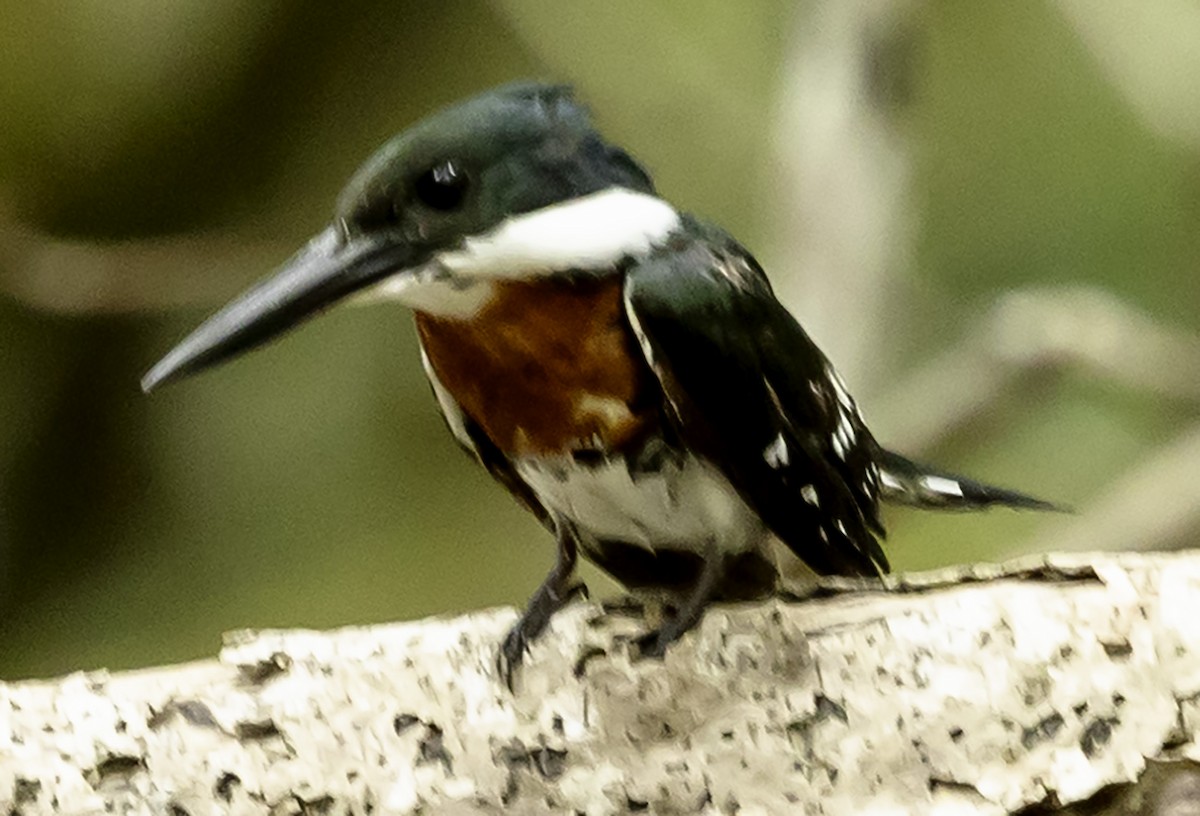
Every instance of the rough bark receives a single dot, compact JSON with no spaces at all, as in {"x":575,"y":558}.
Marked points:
{"x":1039,"y":687}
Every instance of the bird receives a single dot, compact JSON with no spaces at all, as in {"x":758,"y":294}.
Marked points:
{"x":623,"y":368}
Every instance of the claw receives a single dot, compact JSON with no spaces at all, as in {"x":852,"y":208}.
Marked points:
{"x":511,"y":654}
{"x":652,"y":645}
{"x":530,"y":626}
{"x":624,"y":606}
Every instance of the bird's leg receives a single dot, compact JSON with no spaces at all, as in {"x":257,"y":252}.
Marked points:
{"x":555,"y":592}
{"x":655,"y":642}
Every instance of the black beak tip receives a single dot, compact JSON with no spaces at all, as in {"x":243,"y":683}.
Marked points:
{"x":325,"y":271}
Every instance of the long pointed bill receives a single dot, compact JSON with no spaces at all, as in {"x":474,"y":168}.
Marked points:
{"x":327,"y":270}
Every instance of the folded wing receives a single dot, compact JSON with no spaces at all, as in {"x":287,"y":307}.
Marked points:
{"x":748,"y":390}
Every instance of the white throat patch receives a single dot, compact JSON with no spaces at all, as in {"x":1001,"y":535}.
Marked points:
{"x":585,"y":233}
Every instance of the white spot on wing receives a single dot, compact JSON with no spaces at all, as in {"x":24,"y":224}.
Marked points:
{"x":942,"y":486}
{"x":809,"y":494}
{"x":845,"y":435}
{"x":839,"y":388}
{"x":776,"y":454}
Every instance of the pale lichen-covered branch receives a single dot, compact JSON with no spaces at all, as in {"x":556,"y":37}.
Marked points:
{"x":980,"y":690}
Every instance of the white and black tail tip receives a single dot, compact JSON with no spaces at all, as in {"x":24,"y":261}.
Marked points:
{"x":906,"y":482}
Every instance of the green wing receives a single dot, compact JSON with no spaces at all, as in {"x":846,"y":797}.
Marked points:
{"x":747,"y":389}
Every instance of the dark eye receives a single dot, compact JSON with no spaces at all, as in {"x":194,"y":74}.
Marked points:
{"x":442,"y":187}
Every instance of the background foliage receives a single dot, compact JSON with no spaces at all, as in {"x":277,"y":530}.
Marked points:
{"x":157,"y":157}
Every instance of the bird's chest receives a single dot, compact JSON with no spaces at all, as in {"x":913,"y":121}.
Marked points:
{"x":545,"y":367}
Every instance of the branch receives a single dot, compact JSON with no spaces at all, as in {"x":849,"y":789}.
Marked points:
{"x":1036,"y":331}
{"x":975,"y":690}
{"x":840,"y":166}
{"x":80,"y":277}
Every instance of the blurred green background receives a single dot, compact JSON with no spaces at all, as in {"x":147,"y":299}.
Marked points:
{"x":156,"y":158}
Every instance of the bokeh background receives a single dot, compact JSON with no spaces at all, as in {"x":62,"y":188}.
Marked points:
{"x":986,"y":213}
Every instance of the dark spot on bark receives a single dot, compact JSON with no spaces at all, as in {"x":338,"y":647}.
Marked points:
{"x":176,"y":809}
{"x":956,"y":733}
{"x":1097,"y":735}
{"x":223,"y":790}
{"x":551,"y":763}
{"x":319,"y":806}
{"x":1176,"y":738}
{"x":256,"y":730}
{"x":198,"y":714}
{"x":1118,"y":699}
{"x":159,"y":718}
{"x":827,"y":708}
{"x":264,"y":670}
{"x":193,"y":712}
{"x":26,"y":791}
{"x":403,"y":722}
{"x":1117,"y":649}
{"x":511,"y":788}
{"x":119,"y":765}
{"x":1042,"y":731}
{"x":636,"y":805}
{"x":1080,"y":709}
{"x":586,"y":656}
{"x":800,"y":732}
{"x":556,"y":725}
{"x":936,"y":783}
{"x":514,"y":754}
{"x":432,"y":748}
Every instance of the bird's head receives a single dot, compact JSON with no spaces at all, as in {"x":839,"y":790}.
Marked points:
{"x":511,"y":184}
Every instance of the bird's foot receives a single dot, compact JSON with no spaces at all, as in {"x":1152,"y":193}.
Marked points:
{"x":531,"y":624}
{"x":653,"y":644}
{"x":626,"y":606}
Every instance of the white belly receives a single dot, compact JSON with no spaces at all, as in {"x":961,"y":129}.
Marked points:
{"x":681,"y":503}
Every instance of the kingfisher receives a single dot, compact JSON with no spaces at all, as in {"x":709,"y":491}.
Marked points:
{"x":621,"y":367}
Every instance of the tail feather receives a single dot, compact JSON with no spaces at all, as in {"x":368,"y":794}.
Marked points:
{"x":907,"y":482}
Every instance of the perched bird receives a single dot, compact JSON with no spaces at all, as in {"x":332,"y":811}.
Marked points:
{"x":622,"y":368}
